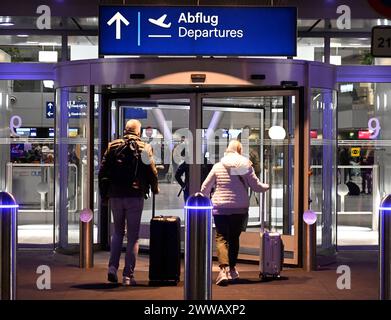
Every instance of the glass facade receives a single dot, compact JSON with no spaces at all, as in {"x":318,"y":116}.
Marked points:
{"x":27,"y":156}
{"x":30,"y":48}
{"x":29,"y":149}
{"x":351,"y":51}
{"x":71,"y":170}
{"x":363,"y":149}
{"x":323,"y":167}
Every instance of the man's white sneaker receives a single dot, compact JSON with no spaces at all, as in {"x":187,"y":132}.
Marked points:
{"x":222,"y":278}
{"x":128,"y":281}
{"x":233,"y":274}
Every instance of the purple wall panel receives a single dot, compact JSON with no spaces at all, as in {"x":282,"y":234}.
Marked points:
{"x":78,"y":75}
{"x":26,"y":71}
{"x":364,"y":74}
{"x":322,"y":75}
{"x":117,"y":71}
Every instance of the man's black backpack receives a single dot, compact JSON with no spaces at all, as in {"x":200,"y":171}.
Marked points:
{"x":124,"y":163}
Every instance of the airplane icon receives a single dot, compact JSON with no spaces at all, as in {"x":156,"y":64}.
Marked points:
{"x":160,"y":22}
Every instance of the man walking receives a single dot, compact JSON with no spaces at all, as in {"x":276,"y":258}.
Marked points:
{"x":126,"y":175}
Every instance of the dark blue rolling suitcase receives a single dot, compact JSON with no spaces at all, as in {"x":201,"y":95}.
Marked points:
{"x":164,"y":248}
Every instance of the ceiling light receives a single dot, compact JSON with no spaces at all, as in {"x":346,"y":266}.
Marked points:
{"x":32,"y":42}
{"x":22,"y":35}
{"x":48,"y":84}
{"x":6,"y":24}
{"x":49,"y":44}
{"x":47,"y":56}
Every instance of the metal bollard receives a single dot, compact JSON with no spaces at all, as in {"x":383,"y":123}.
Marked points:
{"x":198,"y":248}
{"x":309,"y":217}
{"x":385,"y":248}
{"x":8,"y":212}
{"x":86,"y":258}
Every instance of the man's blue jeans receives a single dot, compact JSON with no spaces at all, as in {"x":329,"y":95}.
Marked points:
{"x":127,"y":210}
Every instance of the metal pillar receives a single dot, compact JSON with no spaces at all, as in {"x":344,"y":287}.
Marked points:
{"x":87,"y":214}
{"x":385,"y":248}
{"x":198,"y":248}
{"x":61,"y":170}
{"x":8,"y":212}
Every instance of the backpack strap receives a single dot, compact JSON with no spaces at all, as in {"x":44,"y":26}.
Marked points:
{"x":240,"y":178}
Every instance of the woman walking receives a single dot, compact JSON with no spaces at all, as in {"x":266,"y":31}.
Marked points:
{"x":230,"y":178}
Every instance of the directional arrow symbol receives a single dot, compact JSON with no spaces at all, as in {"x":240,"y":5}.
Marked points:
{"x":118,"y":18}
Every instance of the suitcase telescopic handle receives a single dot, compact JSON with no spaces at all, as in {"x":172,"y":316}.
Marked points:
{"x":262,"y":210}
{"x":153,"y":205}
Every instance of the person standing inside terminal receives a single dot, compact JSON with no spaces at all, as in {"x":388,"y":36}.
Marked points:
{"x":126,"y":175}
{"x":183,"y":170}
{"x":231,"y":178}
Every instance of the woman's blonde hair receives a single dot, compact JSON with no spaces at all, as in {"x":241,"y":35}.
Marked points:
{"x":234,"y":146}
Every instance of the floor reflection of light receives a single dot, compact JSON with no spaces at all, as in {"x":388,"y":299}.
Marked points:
{"x":43,"y":234}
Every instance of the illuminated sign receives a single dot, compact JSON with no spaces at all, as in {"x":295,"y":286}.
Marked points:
{"x":50,"y":110}
{"x":197,"y":31}
{"x":77,"y":109}
{"x":375,"y":130}
{"x":364,"y":135}
{"x":355,"y":152}
{"x":381,"y":41}
{"x":15,"y":123}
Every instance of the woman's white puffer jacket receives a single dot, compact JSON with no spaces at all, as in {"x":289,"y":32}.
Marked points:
{"x":231,"y":192}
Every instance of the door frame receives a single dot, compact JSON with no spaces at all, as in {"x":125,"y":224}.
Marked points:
{"x":291,"y":243}
{"x":195,"y":95}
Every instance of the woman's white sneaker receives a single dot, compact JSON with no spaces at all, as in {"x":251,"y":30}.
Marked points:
{"x":233,"y":274}
{"x":222,"y":278}
{"x":128,"y":281}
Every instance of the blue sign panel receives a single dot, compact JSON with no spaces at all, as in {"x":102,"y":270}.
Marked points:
{"x":135,"y":113}
{"x":50,"y":110}
{"x":77,"y":109}
{"x":224,"y":31}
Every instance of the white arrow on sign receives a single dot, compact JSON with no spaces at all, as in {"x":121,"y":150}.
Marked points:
{"x":50,"y":114}
{"x":118,"y":18}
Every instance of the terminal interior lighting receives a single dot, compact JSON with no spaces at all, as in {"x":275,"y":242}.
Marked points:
{"x":309,"y":217}
{"x":277,"y":133}
{"x":86,"y":215}
{"x":9,"y":206}
{"x":343,"y":190}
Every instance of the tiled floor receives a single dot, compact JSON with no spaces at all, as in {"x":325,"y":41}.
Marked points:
{"x":70,"y":282}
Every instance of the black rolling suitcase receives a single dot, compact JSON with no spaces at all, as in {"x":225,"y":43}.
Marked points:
{"x":164,"y":248}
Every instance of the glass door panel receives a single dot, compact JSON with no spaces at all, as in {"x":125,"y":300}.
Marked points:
{"x":165,"y":126}
{"x":266,"y":125}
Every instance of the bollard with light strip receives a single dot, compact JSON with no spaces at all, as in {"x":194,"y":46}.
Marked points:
{"x":385,"y":248}
{"x":86,"y":259}
{"x":309,"y":217}
{"x":198,"y":248}
{"x":8,"y":212}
